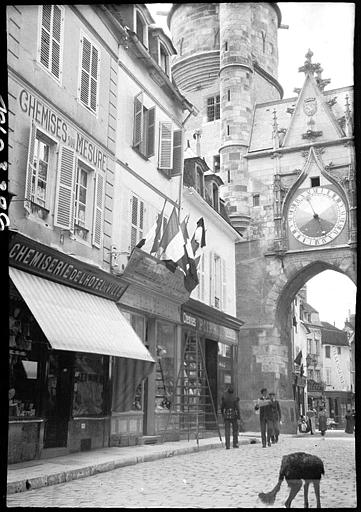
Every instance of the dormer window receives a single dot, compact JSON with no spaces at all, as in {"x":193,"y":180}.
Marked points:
{"x":199,"y":181}
{"x":215,"y":197}
{"x":164,"y":59}
{"x":141,"y":29}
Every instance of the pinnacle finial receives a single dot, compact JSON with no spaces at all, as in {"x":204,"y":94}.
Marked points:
{"x":308,"y":66}
{"x":308,"y":56}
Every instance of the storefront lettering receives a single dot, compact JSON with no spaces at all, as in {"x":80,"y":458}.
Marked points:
{"x":190,"y":320}
{"x":55,"y":125}
{"x":38,"y":260}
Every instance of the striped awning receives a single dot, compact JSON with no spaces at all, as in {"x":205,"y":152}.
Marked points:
{"x":78,"y":321}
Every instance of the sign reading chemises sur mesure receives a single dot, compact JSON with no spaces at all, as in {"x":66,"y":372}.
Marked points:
{"x":59,"y":128}
{"x":31,"y":256}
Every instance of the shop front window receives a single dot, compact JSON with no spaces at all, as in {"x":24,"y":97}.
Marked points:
{"x":25,"y":356}
{"x":89,"y":384}
{"x":165,"y":368}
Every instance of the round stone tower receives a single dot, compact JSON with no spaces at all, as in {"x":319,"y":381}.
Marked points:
{"x":227,"y":60}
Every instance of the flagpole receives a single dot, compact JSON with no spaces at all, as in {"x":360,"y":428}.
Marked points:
{"x":181,"y":182}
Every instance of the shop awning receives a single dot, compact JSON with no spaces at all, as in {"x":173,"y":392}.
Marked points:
{"x":78,"y":321}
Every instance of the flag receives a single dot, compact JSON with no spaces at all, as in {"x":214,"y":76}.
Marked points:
{"x":150,"y":243}
{"x":198,"y":240}
{"x":298,"y":358}
{"x":187,"y":263}
{"x":172,"y":242}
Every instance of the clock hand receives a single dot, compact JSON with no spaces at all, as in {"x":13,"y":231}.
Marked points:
{"x":314,"y":213}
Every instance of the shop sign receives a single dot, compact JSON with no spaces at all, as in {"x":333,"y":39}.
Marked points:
{"x":312,"y":385}
{"x":31,"y":256}
{"x":224,"y":334}
{"x":151,"y":273}
{"x":62,"y":130}
{"x":150,"y":303}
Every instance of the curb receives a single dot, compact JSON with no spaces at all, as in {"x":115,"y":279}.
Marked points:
{"x":102,"y":467}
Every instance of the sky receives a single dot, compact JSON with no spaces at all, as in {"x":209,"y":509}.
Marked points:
{"x":328,"y":30}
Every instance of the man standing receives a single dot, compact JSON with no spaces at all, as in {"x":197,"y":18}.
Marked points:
{"x":231,"y":415}
{"x":275,"y":414}
{"x":263,"y":405}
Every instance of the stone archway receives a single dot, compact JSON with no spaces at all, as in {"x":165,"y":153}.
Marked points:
{"x":265,"y":355}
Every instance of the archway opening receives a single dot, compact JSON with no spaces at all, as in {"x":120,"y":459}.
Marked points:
{"x":316,"y":319}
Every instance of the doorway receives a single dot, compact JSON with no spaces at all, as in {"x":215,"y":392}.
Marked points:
{"x":211,"y":359}
{"x":57,"y":404}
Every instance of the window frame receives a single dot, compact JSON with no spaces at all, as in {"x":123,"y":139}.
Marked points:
{"x":164,"y":51}
{"x":328,"y":351}
{"x":87,"y":106}
{"x":145,"y":41}
{"x":216,"y":106}
{"x":90,"y":201}
{"x":61,"y":43}
{"x":146,"y":145}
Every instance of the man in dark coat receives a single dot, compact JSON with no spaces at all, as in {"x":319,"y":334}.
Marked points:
{"x":231,"y":414}
{"x":265,"y":417}
{"x":275,"y":415}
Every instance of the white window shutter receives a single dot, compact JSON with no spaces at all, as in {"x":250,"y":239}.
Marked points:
{"x":29,"y":167}
{"x":64,"y":202}
{"x":165,"y":146}
{"x":56,"y":41}
{"x":177,"y":153}
{"x":224,"y":285}
{"x":45,"y":35}
{"x":212,"y":279}
{"x":151,"y":132}
{"x":94,"y":70}
{"x":138,"y":119}
{"x":98,"y":209}
{"x":85,"y":70}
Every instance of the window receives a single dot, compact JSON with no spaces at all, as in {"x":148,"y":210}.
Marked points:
{"x":328,"y":351}
{"x":164,"y":59}
{"x":199,"y":180}
{"x":215,"y":197}
{"x":140,"y":28}
{"x":309,"y":346}
{"x":255,"y":199}
{"x":315,"y":182}
{"x":213,"y":108}
{"x":41,"y":160}
{"x":217,"y":282}
{"x":317,"y":347}
{"x":328,"y":376}
{"x":89,"y":74}
{"x":137,"y":215}
{"x":89,"y":384}
{"x":82,"y":202}
{"x":317,"y":375}
{"x":310,"y":374}
{"x":51,"y":38}
{"x":229,"y":95}
{"x":144,"y":127}
{"x":170,"y":156}
{"x":216,"y":163}
{"x":339,"y":350}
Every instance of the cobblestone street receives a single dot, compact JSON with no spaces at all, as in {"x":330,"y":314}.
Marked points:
{"x":210,"y":479}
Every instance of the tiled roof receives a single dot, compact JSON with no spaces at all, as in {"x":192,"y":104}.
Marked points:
{"x":331,"y":335}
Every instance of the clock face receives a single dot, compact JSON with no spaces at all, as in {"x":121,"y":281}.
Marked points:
{"x":316,"y":216}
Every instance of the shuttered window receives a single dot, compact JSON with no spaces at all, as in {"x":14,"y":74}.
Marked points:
{"x":51,"y":38}
{"x":64,"y":203}
{"x":165,"y":146}
{"x":89,"y":74}
{"x":136,"y":220}
{"x":224,"y":285}
{"x":98,"y":209}
{"x":144,"y":127}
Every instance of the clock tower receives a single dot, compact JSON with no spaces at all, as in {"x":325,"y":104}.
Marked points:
{"x":301,"y":180}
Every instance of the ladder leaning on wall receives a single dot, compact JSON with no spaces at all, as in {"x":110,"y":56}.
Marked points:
{"x":192,"y":409}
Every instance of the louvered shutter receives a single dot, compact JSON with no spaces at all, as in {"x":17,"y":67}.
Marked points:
{"x":56,"y":41}
{"x":151,"y":132}
{"x":45,"y":35}
{"x":85,"y":70}
{"x":138,"y":119}
{"x":98,"y":209}
{"x":224,"y":285}
{"x":137,"y":221}
{"x":212,"y":279}
{"x":64,"y":202}
{"x":177,"y":153}
{"x":30,"y":167}
{"x":94,"y":78}
{"x":165,"y":146}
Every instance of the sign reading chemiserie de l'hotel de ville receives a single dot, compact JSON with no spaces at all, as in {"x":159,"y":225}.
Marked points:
{"x":31,"y":256}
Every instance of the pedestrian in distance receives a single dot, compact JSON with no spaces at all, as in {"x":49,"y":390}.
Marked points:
{"x":311,"y":415}
{"x":231,"y":414}
{"x":350,"y":422}
{"x":265,"y":419}
{"x":275,"y":417}
{"x":322,"y":421}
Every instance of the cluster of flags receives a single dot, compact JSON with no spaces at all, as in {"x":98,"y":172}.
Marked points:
{"x":174,"y":247}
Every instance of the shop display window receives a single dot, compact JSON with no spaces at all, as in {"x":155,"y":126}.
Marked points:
{"x":90,"y":372}
{"x":26,"y":344}
{"x":165,"y":368}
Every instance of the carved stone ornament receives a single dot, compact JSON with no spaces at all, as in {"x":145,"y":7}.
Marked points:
{"x":310,"y":106}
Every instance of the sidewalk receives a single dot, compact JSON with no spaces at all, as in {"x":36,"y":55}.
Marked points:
{"x":44,"y":472}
